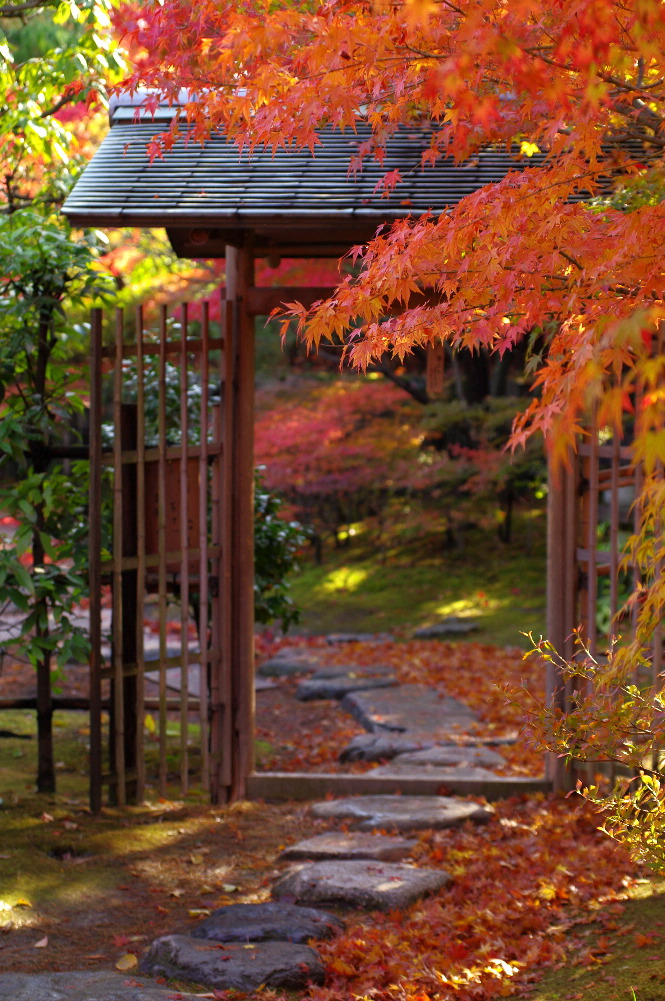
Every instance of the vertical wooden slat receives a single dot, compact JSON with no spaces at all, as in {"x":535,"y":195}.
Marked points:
{"x":203,"y":548}
{"x":140,"y":553}
{"x":567,"y":553}
{"x":184,"y":556}
{"x":592,"y":537}
{"x":657,"y":643}
{"x":118,"y":671}
{"x":94,"y":559}
{"x":560,"y":580}
{"x":221,"y":749}
{"x":614,"y":530}
{"x":161,"y":535}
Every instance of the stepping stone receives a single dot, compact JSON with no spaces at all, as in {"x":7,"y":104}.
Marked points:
{"x":333,"y":638}
{"x":398,"y":770}
{"x":414,"y":708}
{"x":234,"y":967}
{"x":267,"y":922}
{"x":289,"y":661}
{"x":377,"y":885}
{"x":339,"y":685}
{"x":84,"y":985}
{"x":344,"y":845}
{"x":354,"y":670}
{"x":451,"y":626}
{"x":380,"y":746}
{"x":445,"y":756}
{"x":402,"y":813}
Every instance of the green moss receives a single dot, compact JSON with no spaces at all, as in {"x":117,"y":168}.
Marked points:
{"x":410,"y":582}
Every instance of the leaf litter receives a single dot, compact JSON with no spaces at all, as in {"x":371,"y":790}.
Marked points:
{"x":526,"y":886}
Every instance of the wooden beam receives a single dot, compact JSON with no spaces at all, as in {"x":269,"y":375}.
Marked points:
{"x":262,"y":300}
{"x":308,"y":785}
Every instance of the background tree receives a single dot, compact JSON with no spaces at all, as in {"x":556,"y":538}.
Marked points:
{"x":54,"y":59}
{"x":540,"y":259}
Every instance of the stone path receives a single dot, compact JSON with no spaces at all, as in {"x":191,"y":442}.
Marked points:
{"x":242,"y":946}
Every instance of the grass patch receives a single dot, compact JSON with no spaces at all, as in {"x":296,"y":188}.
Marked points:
{"x":367,"y":586}
{"x":619,"y":958}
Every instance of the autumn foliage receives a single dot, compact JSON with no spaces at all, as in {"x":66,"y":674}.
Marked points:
{"x":563,"y":256}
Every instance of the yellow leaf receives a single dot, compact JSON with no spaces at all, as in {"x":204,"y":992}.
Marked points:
{"x":199,"y":912}
{"x":546,"y":891}
{"x":127,"y":962}
{"x":196,"y":859}
{"x":528,"y":149}
{"x":149,"y":723}
{"x":22,"y":902}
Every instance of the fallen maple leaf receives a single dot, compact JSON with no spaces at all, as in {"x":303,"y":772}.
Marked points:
{"x":127,"y":962}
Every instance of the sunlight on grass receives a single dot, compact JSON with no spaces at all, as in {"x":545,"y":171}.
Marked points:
{"x":344,"y":579}
{"x":480,"y":604}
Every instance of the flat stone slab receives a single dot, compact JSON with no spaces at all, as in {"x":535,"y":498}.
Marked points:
{"x":88,"y":985}
{"x":402,"y":813}
{"x":233,"y":967}
{"x":376,"y":885}
{"x":398,"y":770}
{"x":267,"y":922}
{"x":451,"y":626}
{"x":381,"y":746}
{"x":287,"y":662}
{"x":334,"y":638}
{"x":346,"y":845}
{"x":415,"y":708}
{"x":447,"y":755}
{"x":340,"y":685}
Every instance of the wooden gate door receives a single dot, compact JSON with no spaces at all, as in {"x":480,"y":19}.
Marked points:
{"x":166,"y":462}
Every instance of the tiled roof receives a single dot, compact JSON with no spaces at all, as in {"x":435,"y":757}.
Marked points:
{"x":282,"y":198}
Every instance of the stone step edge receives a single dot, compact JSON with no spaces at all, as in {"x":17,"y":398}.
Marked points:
{"x":284,"y":786}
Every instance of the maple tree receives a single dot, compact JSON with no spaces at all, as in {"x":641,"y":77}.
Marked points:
{"x":564,"y":254}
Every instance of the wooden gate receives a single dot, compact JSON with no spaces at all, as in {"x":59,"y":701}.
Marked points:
{"x":592,"y":510}
{"x":171,"y":559}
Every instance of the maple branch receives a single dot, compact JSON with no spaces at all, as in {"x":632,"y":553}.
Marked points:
{"x":65,"y":99}
{"x":571,"y":259}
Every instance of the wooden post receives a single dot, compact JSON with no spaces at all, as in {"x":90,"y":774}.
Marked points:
{"x":560,"y":580}
{"x":436,"y":354}
{"x":237,"y":512}
{"x":242,"y":261}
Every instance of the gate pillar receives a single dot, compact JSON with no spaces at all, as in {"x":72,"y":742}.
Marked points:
{"x":232,"y":692}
